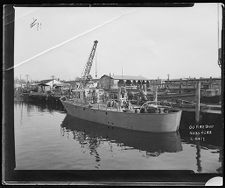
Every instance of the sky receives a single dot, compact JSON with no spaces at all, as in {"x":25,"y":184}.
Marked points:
{"x":146,"y":41}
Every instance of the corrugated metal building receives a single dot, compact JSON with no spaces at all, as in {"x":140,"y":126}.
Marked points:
{"x":115,"y":81}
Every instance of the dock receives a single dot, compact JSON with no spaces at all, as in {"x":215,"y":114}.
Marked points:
{"x":211,"y":109}
{"x":41,"y":97}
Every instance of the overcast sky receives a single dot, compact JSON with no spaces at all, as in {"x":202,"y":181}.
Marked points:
{"x":151,"y":42}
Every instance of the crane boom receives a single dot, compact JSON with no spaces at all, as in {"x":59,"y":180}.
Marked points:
{"x":86,"y":74}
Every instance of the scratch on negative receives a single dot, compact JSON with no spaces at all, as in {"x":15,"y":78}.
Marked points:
{"x":18,"y":18}
{"x":73,"y":38}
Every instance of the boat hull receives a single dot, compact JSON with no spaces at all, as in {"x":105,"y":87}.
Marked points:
{"x":135,"y":121}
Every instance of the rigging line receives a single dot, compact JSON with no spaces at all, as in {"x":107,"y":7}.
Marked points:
{"x":96,"y":68}
{"x":66,"y":41}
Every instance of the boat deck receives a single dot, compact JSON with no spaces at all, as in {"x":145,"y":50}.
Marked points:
{"x":104,"y":107}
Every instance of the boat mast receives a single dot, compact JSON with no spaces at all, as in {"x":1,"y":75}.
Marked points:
{"x":156,"y":95}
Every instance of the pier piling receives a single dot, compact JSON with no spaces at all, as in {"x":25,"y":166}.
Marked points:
{"x":197,"y":106}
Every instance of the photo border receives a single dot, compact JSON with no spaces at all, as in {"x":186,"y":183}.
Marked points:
{"x":78,"y":177}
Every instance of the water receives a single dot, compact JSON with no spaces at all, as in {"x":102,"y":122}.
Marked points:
{"x":46,"y":138}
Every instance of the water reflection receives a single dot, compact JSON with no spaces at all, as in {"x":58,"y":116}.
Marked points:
{"x":198,"y":156}
{"x":85,"y":140}
{"x":42,"y":107}
{"x":93,"y":134}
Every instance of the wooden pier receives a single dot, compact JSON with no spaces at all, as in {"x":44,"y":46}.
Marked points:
{"x":211,"y":109}
{"x":41,"y":97}
{"x":197,"y":107}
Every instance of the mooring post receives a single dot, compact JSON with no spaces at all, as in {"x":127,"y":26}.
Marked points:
{"x":197,"y":104}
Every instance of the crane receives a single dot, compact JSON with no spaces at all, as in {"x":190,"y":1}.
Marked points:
{"x":85,"y":77}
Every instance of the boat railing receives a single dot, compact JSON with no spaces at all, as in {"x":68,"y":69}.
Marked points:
{"x":156,"y":107}
{"x":123,"y":105}
{"x":112,"y":104}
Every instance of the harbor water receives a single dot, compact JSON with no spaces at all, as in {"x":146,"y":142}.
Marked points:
{"x":46,"y":138}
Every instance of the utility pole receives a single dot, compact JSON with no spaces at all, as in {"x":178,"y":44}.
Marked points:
{"x":122,"y":77}
{"x":52,"y":82}
{"x":20,"y":81}
{"x":27,"y":80}
{"x":27,"y":77}
{"x":168,"y":76}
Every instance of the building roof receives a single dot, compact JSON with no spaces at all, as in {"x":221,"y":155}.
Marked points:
{"x":127,"y":77}
{"x":75,"y":82}
{"x":192,"y":79}
{"x":45,"y":81}
{"x":95,"y":79}
{"x":72,"y":81}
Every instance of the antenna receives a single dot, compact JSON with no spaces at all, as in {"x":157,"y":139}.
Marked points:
{"x":156,"y":94}
{"x":122,"y":77}
{"x":27,"y":76}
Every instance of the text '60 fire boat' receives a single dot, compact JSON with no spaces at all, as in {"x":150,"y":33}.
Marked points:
{"x":95,"y":105}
